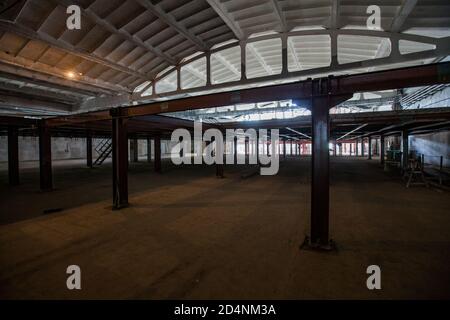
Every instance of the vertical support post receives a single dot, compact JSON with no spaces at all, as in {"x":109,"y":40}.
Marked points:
{"x":284,"y":55}
{"x":320,"y":182}
{"x":149,"y":150}
{"x":13,"y":155}
{"x":120,"y":163}
{"x":157,"y":161}
{"x":243,"y":61}
{"x":284,"y":149}
{"x":340,"y":148}
{"x":382,"y":150}
{"x":356,"y":148}
{"x":89,"y":150}
{"x":134,"y":151}
{"x":45,"y":157}
{"x":320,"y":172}
{"x":235,"y":142}
{"x":369,"y":151}
{"x":362,"y":147}
{"x":208,"y":68}
{"x":246,"y":146}
{"x":405,"y":149}
{"x":257,"y":146}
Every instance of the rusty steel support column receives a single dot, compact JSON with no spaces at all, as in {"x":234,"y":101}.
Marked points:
{"x":149,"y":150}
{"x":134,"y":150}
{"x":369,"y":150}
{"x":13,"y":155}
{"x":235,"y":142}
{"x":405,"y":149}
{"x":89,"y":150}
{"x":362,"y":147}
{"x":246,"y":146}
{"x":257,"y":146}
{"x":120,"y":163}
{"x":157,"y":161}
{"x":320,"y":184}
{"x":45,"y":157}
{"x":382,"y":150}
{"x":320,"y":188}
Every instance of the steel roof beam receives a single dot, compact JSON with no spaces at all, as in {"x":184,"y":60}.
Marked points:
{"x":223,"y":13}
{"x":171,"y":22}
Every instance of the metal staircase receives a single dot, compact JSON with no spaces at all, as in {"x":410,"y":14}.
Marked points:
{"x":104,"y":149}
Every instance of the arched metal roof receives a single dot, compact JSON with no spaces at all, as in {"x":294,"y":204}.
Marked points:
{"x":139,"y":50}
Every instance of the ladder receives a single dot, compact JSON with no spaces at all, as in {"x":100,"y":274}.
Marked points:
{"x":104,"y":149}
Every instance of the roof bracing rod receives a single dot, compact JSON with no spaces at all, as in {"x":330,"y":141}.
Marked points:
{"x":350,"y":132}
{"x":298,"y":132}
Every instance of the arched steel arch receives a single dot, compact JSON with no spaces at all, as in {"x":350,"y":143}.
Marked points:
{"x":441,"y":49}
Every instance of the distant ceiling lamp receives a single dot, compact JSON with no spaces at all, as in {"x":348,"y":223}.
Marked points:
{"x":70,"y":75}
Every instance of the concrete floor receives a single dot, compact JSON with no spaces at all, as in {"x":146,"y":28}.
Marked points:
{"x":191,"y":235}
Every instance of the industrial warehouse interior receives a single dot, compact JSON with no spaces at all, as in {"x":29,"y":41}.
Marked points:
{"x":224,"y":149}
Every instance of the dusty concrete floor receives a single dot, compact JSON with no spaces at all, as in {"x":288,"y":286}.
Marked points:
{"x":190,"y":235}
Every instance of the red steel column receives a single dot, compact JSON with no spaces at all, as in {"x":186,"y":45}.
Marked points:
{"x":13,"y":155}
{"x":120,"y":163}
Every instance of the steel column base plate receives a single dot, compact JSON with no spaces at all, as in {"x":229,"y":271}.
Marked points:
{"x":308,"y":245}
{"x":122,"y":206}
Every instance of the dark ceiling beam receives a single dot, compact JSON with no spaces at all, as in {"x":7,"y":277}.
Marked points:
{"x":39,"y":93}
{"x":31,"y":76}
{"x":21,"y":100}
{"x":303,"y":90}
